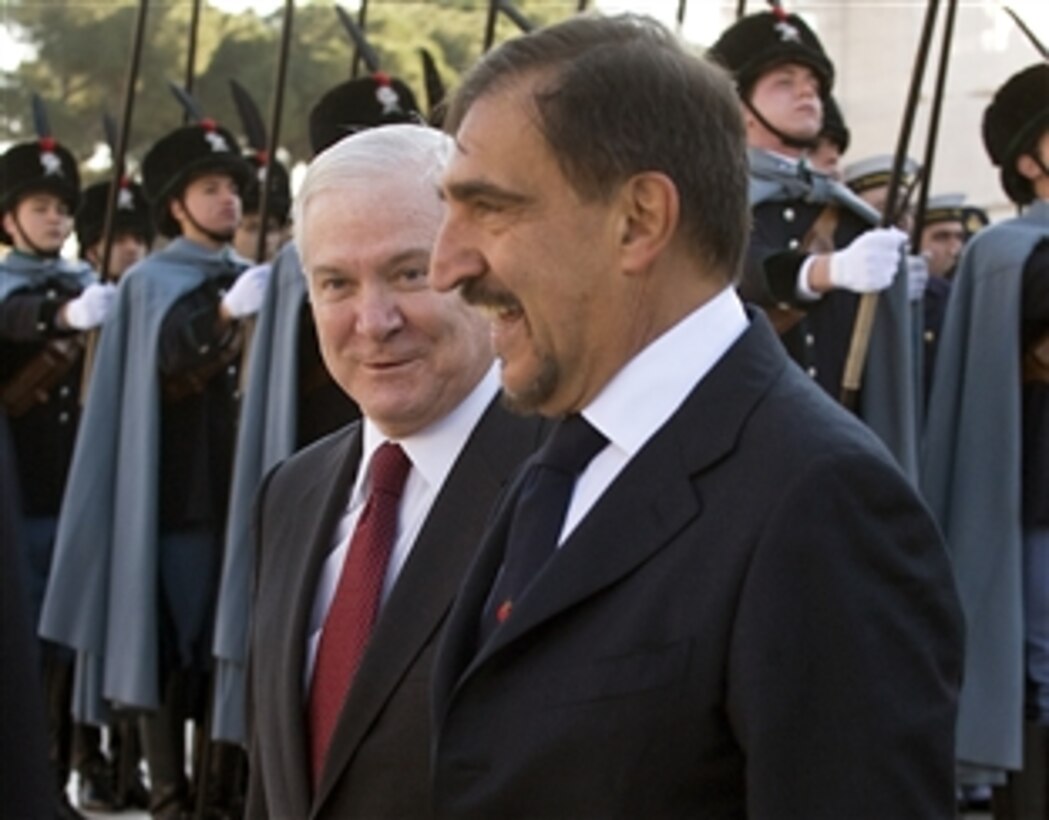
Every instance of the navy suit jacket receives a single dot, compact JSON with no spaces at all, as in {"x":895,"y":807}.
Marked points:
{"x":757,"y":618}
{"x":379,"y":763}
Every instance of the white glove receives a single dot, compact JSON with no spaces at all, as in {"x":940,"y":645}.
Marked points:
{"x":245,"y":297}
{"x":869,"y":263}
{"x":917,"y":276}
{"x":91,"y":307}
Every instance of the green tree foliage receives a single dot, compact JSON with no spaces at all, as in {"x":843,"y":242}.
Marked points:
{"x":82,"y":51}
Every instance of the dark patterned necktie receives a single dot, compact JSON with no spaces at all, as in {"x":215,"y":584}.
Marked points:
{"x":540,"y":512}
{"x":352,"y":613}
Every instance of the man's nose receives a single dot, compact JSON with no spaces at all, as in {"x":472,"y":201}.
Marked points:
{"x":378,"y":312}
{"x":454,"y":259}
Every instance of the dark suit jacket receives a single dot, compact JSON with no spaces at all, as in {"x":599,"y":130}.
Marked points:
{"x":757,"y":619}
{"x":379,"y":763}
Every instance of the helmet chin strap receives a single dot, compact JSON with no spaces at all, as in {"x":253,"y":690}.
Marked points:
{"x":786,"y":139}
{"x":223,"y":238}
{"x":37,"y":250}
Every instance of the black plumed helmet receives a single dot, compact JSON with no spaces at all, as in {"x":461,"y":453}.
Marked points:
{"x":132,"y":213}
{"x":181,"y":156}
{"x":38,"y":166}
{"x":1013,"y":123}
{"x":279,"y":186}
{"x":354,"y":105}
{"x":758,"y":42}
{"x":834,"y":127}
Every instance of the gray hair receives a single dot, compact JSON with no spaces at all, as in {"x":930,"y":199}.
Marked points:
{"x":372,"y":158}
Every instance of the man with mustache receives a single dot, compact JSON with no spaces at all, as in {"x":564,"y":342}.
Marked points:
{"x":364,"y":536}
{"x":814,"y":248}
{"x":711,"y":593}
{"x":139,"y":541}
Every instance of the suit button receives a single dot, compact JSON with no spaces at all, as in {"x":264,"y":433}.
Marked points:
{"x":63,"y":418}
{"x":811,"y":371}
{"x":788,"y":214}
{"x":930,"y":336}
{"x":63,"y":391}
{"x":810,"y":340}
{"x":793,"y":244}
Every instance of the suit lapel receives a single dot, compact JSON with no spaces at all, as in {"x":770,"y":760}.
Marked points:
{"x":649,"y":503}
{"x":310,"y":519}
{"x":430,"y":578}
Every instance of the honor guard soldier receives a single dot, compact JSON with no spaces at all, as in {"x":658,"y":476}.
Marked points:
{"x":46,"y":302}
{"x":246,"y":239}
{"x":133,"y":229}
{"x":832,"y":142}
{"x":869,"y":179}
{"x":139,"y":546}
{"x":291,"y":398}
{"x":943,"y":233}
{"x":814,"y":247}
{"x":986,"y":467}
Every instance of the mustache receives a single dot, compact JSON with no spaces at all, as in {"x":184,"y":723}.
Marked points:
{"x":479,"y":294}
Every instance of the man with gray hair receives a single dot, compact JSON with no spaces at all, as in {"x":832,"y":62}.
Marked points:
{"x":363,"y":537}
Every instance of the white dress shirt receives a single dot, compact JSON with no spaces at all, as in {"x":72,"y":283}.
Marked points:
{"x":647,"y":391}
{"x":432,"y":452}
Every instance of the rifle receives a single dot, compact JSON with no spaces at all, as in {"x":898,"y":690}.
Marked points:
{"x":511,"y":11}
{"x":361,"y":47}
{"x":865,"y":312}
{"x":934,"y":126}
{"x":191,"y":56}
{"x":1038,"y":45}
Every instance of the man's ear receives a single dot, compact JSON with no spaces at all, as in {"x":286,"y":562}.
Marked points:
{"x":650,"y":215}
{"x":177,"y":210}
{"x":9,"y":224}
{"x":1027,"y":167}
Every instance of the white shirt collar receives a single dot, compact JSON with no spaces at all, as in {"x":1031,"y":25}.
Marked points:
{"x":433,"y":449}
{"x":644,"y":394}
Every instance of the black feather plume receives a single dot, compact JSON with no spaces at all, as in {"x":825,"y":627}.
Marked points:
{"x":109,"y":128}
{"x":41,"y":123}
{"x":435,"y":90}
{"x":250,"y":117}
{"x":519,"y":20}
{"x":371,"y":59}
{"x":189,"y":105}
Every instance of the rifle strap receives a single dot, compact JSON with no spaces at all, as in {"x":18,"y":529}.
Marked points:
{"x":1036,"y":361}
{"x":818,"y":239}
{"x":195,"y":380}
{"x":33,"y":382}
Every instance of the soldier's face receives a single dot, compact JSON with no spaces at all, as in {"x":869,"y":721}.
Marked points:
{"x":942,"y":244}
{"x":405,"y":353}
{"x":788,"y":96}
{"x":128,"y":249}
{"x":246,"y":239}
{"x":39,"y":221}
{"x":211,"y":202}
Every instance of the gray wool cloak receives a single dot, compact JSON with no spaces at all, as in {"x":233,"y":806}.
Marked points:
{"x":266,"y":436}
{"x":101,"y":598}
{"x":971,"y":480}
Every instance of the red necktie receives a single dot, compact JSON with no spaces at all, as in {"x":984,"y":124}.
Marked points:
{"x":353,"y":609}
